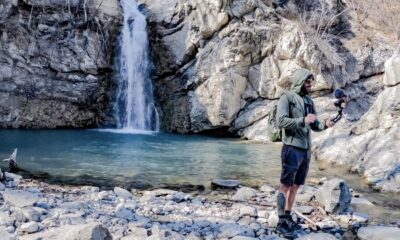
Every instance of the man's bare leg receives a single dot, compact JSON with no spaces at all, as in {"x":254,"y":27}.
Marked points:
{"x":291,"y":196}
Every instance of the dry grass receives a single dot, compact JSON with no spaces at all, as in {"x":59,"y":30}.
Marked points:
{"x":315,"y":18}
{"x":383,"y":14}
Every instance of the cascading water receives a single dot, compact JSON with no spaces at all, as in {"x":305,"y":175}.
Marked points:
{"x":135,"y":107}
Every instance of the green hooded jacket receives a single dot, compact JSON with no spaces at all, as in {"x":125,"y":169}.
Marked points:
{"x":291,"y":112}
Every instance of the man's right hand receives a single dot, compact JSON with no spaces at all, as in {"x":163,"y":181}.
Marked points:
{"x":310,"y":118}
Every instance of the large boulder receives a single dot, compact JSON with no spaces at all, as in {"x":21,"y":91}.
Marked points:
{"x":318,"y":236}
{"x":335,"y":196}
{"x":90,"y":231}
{"x":378,"y":233}
{"x":20,"y":198}
{"x":392,"y":71}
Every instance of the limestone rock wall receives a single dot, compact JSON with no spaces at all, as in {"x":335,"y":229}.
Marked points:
{"x":220,"y":65}
{"x":56,"y":62}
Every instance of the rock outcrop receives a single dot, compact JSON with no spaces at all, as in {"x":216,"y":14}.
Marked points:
{"x":56,"y":62}
{"x":221,"y":66}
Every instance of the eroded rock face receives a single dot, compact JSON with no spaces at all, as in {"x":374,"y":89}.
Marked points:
{"x":55,"y":64}
{"x":224,"y":70}
{"x":214,"y":59}
{"x":370,"y":145}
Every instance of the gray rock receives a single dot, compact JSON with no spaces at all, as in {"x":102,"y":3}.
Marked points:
{"x":30,"y":227}
{"x":318,"y":236}
{"x":248,"y":211}
{"x":125,"y":213}
{"x":136,"y":233}
{"x":335,"y":196}
{"x":122,"y":193}
{"x":392,"y":71}
{"x":20,"y":198}
{"x":244,"y":194}
{"x":326,"y":224}
{"x":222,"y":183}
{"x":33,"y":213}
{"x":273,"y":219}
{"x":267,"y":189}
{"x":305,"y":209}
{"x":4,"y":235}
{"x":378,"y":233}
{"x":75,"y":205}
{"x":243,"y":238}
{"x":6,"y":219}
{"x":90,"y":231}
{"x":2,"y":187}
{"x":360,"y":217}
{"x":232,"y":230}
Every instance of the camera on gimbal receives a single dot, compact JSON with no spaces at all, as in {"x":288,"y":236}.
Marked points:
{"x":340,"y":103}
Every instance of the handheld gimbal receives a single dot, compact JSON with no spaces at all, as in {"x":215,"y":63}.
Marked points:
{"x":339,"y":103}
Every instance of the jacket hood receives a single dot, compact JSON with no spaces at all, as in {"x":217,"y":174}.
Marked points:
{"x":298,"y":79}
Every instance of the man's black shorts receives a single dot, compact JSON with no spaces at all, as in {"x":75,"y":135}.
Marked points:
{"x":295,"y":164}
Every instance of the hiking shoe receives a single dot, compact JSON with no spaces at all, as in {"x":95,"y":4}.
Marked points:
{"x":292,"y":224}
{"x":284,"y":228}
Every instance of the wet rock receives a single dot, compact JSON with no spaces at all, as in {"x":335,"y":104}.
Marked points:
{"x":13,"y":177}
{"x":2,"y":187}
{"x":91,"y":231}
{"x":122,"y":193}
{"x":244,"y":194}
{"x":30,"y":227}
{"x":20,"y":198}
{"x":180,"y":197}
{"x":335,"y":196}
{"x":90,"y":189}
{"x":378,"y":233}
{"x":318,"y":236}
{"x":228,"y":183}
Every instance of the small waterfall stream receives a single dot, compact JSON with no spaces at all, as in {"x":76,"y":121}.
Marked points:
{"x":135,"y":108}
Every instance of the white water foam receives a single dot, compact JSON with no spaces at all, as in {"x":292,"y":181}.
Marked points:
{"x":135,"y":106}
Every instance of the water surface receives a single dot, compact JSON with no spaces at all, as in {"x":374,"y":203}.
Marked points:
{"x":143,"y":158}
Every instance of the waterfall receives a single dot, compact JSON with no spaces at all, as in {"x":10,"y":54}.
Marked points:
{"x":135,"y":108}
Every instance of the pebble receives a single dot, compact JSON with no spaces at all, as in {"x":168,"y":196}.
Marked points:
{"x":161,"y":212}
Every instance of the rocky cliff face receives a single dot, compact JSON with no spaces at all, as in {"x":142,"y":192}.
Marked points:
{"x":56,"y":62}
{"x":222,"y":64}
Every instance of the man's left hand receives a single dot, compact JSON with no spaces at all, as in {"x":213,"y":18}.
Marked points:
{"x":329,"y":123}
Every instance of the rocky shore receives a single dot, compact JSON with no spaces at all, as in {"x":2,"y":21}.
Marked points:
{"x":35,"y":210}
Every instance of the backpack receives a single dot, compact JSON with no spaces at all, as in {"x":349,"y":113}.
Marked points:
{"x":273,"y":131}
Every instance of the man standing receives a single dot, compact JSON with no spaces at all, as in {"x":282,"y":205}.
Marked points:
{"x":296,"y":116}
